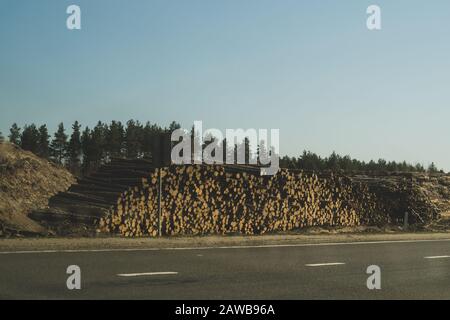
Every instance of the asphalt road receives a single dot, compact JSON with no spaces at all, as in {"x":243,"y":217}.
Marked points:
{"x":274,"y":272}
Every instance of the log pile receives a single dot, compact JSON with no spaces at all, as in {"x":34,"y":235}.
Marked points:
{"x":408,"y":192}
{"x":122,"y":198}
{"x":199,"y":200}
{"x":90,"y":199}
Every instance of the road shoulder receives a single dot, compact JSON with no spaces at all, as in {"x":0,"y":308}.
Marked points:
{"x":116,"y":243}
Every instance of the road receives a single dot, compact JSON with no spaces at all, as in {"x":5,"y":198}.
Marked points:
{"x":409,"y":270}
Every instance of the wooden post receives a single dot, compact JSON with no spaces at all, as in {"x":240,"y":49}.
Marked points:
{"x":405,"y":222}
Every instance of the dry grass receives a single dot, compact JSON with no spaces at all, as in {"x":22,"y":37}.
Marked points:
{"x":26,"y":183}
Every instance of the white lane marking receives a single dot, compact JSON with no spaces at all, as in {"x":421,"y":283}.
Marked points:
{"x":437,"y":257}
{"x":324,"y":264}
{"x":146,"y":274}
{"x":227,"y":247}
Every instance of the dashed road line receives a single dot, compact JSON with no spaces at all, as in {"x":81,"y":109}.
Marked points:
{"x":324,"y":264}
{"x":146,"y":274}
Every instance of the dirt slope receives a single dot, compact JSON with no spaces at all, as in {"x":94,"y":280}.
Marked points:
{"x":26,"y":184}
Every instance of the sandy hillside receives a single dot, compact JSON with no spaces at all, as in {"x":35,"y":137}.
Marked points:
{"x":26,"y":183}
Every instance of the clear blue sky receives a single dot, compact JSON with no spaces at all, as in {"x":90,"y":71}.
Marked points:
{"x":309,"y":68}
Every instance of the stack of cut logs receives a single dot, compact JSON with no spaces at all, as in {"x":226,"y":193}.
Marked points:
{"x":90,"y":199}
{"x":200,"y":199}
{"x":403,"y":192}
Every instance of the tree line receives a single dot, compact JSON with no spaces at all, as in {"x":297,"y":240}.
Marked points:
{"x":335,"y":162}
{"x":83,"y":150}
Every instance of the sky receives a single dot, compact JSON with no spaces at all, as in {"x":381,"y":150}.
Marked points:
{"x":309,"y":68}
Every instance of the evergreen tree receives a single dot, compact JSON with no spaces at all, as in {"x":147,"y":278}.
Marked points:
{"x":332,"y":162}
{"x":173,"y":126}
{"x":133,"y":139}
{"x":43,"y":142}
{"x":311,"y":161}
{"x":432,"y":168}
{"x":99,"y":143}
{"x":381,"y":165}
{"x":115,"y":139}
{"x":29,"y":140}
{"x":75,"y":149}
{"x":87,"y":148}
{"x":2,"y":139}
{"x":58,"y":146}
{"x":393,"y":166}
{"x":419,"y":168}
{"x":92,"y":148}
{"x":14,"y":136}
{"x":150,"y":131}
{"x":346,"y":163}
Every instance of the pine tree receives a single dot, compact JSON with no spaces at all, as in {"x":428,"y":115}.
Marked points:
{"x":29,"y":140}
{"x":419,"y":168}
{"x":14,"y":136}
{"x":87,"y":148}
{"x":99,"y":143}
{"x":432,"y":168}
{"x":133,"y":139}
{"x":147,"y":141}
{"x":115,"y":139}
{"x":382,"y":164}
{"x":59,"y":145}
{"x":74,"y":149}
{"x":332,"y":162}
{"x":2,"y":139}
{"x":173,"y":126}
{"x":43,"y":142}
{"x":149,"y":133}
